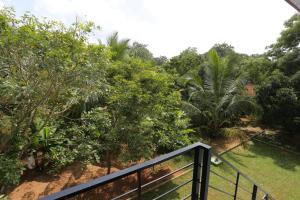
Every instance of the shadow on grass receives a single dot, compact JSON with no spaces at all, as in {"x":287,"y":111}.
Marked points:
{"x":244,"y":154}
{"x":284,"y":159}
{"x":224,"y":170}
{"x":235,"y":159}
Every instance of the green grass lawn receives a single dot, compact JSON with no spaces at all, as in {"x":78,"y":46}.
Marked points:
{"x":276,"y":171}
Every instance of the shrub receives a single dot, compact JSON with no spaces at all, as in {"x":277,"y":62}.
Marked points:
{"x":279,"y":101}
{"x":60,"y":157}
{"x":11,"y":170}
{"x":295,"y":80}
{"x":232,"y":132}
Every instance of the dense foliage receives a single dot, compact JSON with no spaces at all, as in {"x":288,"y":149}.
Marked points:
{"x":221,"y":99}
{"x":279,"y":93}
{"x":65,"y":100}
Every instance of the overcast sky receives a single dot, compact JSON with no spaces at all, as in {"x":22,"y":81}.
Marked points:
{"x":170,"y":26}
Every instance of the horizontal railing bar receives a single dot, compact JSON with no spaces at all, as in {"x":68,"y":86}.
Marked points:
{"x":187,"y":197}
{"x":145,"y":185}
{"x":72,"y":191}
{"x":236,"y":169}
{"x":220,"y":190}
{"x":172,"y":190}
{"x":241,"y":173}
{"x":127,"y":193}
{"x":242,"y":187}
{"x":169,"y":174}
{"x":222,"y":177}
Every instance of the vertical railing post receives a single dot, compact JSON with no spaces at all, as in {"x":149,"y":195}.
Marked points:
{"x":254,"y":192}
{"x":196,"y":174}
{"x":139,"y":178}
{"x":236,"y":185}
{"x":266,"y":197}
{"x":205,"y":173}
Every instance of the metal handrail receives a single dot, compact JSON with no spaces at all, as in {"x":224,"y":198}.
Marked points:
{"x":224,"y":192}
{"x":244,"y":175}
{"x":200,"y":180}
{"x":224,"y":178}
{"x":202,"y":155}
{"x":173,"y":189}
{"x":153,"y":181}
{"x":169,"y":174}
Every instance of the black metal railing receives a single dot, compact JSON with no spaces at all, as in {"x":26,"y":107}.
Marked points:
{"x":253,"y":192}
{"x":200,"y":179}
{"x":201,"y":171}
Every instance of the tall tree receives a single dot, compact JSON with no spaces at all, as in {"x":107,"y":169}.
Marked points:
{"x":279,"y":92}
{"x":118,"y":47}
{"x":221,"y":99}
{"x":285,"y":52}
{"x":138,"y":50}
{"x":46,"y":69}
{"x":256,"y":68}
{"x":161,"y":60}
{"x":187,"y":60}
{"x":223,"y":49}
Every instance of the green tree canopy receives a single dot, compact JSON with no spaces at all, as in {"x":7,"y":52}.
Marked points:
{"x":138,"y":50}
{"x":285,"y":52}
{"x":185,"y":61}
{"x":221,"y":99}
{"x":118,"y":47}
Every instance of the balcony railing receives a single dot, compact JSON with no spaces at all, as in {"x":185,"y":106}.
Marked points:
{"x":200,"y":178}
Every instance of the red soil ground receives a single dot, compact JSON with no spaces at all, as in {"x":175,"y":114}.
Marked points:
{"x":35,"y":186}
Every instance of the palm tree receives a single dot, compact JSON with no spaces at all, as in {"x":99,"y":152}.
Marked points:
{"x":220,"y":99}
{"x":118,"y":47}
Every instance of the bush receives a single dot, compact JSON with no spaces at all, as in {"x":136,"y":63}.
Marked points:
{"x":295,"y":79}
{"x":10,"y":171}
{"x":279,"y":102}
{"x":232,"y":132}
{"x":60,"y":157}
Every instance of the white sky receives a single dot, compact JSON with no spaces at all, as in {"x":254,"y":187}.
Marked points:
{"x":170,"y":26}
